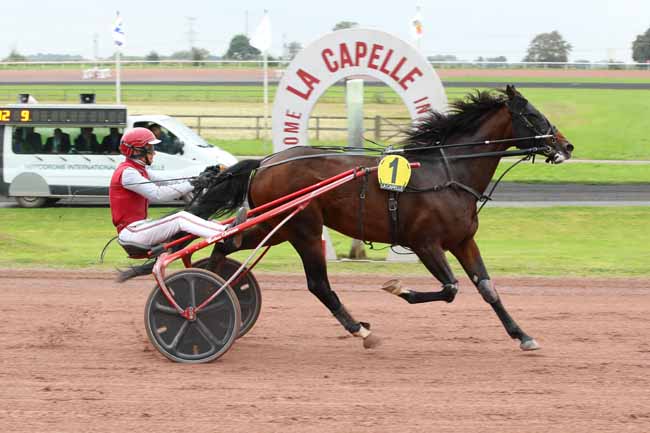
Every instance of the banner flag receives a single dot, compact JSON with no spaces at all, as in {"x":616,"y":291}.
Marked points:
{"x":118,"y":31}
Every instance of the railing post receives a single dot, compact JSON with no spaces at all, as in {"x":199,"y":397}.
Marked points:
{"x":317,"y":128}
{"x":198,"y":123}
{"x":377,"y":129}
{"x":257,"y":127}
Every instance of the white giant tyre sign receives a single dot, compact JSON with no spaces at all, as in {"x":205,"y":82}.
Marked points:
{"x":347,"y":53}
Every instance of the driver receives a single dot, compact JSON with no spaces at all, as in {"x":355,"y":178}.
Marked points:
{"x":131,"y":190}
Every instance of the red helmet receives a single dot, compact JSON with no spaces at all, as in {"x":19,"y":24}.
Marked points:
{"x":135,"y":141}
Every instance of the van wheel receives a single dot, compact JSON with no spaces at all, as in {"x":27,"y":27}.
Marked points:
{"x":31,"y":202}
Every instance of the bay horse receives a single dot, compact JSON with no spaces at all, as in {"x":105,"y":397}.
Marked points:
{"x":436,"y":213}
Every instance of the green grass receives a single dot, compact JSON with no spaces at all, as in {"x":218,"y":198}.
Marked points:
{"x":514,"y":241}
{"x":601,"y":124}
{"x":575,"y":173}
{"x":245,"y":147}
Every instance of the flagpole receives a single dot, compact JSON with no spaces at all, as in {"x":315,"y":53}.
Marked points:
{"x":418,"y":16}
{"x":118,"y":89}
{"x":266,"y":94}
{"x":262,"y":41}
{"x":118,"y":38}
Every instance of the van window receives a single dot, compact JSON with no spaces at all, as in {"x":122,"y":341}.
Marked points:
{"x":27,"y":140}
{"x":169,"y":143}
{"x":62,"y":141}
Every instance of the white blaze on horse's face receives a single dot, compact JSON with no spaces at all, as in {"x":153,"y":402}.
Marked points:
{"x":559,"y":147}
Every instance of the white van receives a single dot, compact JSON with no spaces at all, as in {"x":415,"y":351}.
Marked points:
{"x":49,"y":152}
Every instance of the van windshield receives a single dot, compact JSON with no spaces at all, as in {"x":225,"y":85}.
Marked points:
{"x":176,"y":126}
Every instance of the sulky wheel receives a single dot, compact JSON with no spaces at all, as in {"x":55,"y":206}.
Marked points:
{"x":247,"y":290}
{"x":207,"y":337}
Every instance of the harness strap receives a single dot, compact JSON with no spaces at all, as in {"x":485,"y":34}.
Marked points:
{"x":393,"y":197}
{"x":476,"y":194}
{"x":362,"y":203}
{"x":446,"y":164}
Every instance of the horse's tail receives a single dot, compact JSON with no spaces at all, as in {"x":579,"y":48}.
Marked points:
{"x":227,"y":192}
{"x":135,"y":271}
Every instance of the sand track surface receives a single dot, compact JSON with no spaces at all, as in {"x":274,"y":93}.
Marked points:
{"x":75,"y":358}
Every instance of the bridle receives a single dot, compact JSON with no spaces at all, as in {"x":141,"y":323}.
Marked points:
{"x":517,"y":106}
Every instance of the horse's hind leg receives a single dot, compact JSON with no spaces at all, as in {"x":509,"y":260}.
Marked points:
{"x":433,"y":257}
{"x":311,"y":253}
{"x":469,"y":257}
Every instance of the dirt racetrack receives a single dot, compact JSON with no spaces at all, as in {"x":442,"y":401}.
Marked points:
{"x":74,"y":357}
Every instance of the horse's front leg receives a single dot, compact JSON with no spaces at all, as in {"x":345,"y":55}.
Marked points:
{"x":469,"y":257}
{"x":313,"y":260}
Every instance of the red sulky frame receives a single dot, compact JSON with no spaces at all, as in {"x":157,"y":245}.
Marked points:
{"x":293,"y":203}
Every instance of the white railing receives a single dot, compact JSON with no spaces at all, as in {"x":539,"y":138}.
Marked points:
{"x":284,"y":63}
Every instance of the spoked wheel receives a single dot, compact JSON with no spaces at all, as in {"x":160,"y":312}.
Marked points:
{"x":247,"y":290}
{"x":193,"y":341}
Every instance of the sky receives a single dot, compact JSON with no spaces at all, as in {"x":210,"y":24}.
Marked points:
{"x":597,"y":29}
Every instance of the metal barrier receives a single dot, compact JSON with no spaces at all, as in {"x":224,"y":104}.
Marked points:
{"x":283,"y":63}
{"x":378,"y":128}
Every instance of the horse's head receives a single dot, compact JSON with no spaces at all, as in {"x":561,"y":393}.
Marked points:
{"x":527,"y":121}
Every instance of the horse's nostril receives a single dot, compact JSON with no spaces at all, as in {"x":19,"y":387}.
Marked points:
{"x":569,"y":147}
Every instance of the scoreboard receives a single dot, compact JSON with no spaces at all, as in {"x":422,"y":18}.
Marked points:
{"x":61,"y":115}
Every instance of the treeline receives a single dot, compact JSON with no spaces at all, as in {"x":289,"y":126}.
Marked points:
{"x":544,"y":47}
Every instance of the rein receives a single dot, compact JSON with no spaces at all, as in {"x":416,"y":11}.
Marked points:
{"x":475,"y":143}
{"x":360,"y":151}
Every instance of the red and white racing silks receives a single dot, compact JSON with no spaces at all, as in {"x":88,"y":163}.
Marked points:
{"x":130,"y":191}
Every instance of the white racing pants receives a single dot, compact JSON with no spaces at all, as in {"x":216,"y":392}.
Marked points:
{"x":153,"y":232}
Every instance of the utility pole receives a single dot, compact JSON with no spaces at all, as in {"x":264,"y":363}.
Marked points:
{"x":285,"y":47}
{"x":191,"y":33}
{"x":95,"y":48}
{"x":246,"y":23}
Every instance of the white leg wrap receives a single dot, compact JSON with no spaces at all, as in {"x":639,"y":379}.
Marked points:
{"x":362,"y":332}
{"x":487,"y":290}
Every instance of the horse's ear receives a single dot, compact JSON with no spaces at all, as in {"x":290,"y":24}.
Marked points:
{"x":511,"y":91}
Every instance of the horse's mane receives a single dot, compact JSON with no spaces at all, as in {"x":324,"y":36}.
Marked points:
{"x":462,"y":115}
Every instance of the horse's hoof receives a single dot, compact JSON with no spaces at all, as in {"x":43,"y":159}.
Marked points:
{"x":393,"y":287}
{"x":371,"y":341}
{"x":529,"y":345}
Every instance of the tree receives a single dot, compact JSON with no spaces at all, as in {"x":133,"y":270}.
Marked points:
{"x":548,"y":47}
{"x":641,"y":47}
{"x":14,"y":56}
{"x":198,"y":54}
{"x":152,"y":57}
{"x":293,"y":49}
{"x":241,"y":49}
{"x":442,"y":58}
{"x":341,"y":25}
